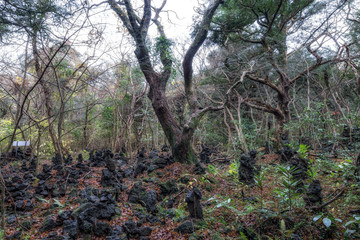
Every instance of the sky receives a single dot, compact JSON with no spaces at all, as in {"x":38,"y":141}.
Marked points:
{"x":181,"y":13}
{"x":115,"y":43}
{"x":177,"y":19}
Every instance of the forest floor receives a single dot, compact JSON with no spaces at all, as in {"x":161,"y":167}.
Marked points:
{"x":144,"y":198}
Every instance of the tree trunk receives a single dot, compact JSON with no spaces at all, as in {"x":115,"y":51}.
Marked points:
{"x":47,"y":95}
{"x":85,"y":129}
{"x":179,"y":137}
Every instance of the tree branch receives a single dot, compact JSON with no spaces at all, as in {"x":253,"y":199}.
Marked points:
{"x":199,"y":39}
{"x":328,"y":202}
{"x":254,"y":103}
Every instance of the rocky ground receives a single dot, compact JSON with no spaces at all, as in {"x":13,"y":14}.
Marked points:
{"x":108,"y":196}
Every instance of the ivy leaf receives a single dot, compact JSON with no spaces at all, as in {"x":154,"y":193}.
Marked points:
{"x":327,"y":222}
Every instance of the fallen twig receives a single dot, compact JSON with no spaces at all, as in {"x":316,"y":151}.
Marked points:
{"x":328,"y":202}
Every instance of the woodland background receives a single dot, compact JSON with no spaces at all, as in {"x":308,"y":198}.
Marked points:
{"x":268,"y":75}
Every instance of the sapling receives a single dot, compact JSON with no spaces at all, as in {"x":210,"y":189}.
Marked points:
{"x":259,"y":182}
{"x":288,"y":193}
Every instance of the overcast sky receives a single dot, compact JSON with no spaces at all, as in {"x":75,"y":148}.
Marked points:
{"x":177,"y":20}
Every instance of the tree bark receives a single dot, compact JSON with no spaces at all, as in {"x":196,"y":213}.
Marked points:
{"x":179,"y":137}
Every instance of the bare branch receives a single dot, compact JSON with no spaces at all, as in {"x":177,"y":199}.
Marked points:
{"x":254,"y":103}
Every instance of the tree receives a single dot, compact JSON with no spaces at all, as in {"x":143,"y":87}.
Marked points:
{"x":179,"y":136}
{"x":35,"y":19}
{"x":266,"y":29}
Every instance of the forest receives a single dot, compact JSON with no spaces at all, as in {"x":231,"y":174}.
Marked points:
{"x":191,"y":119}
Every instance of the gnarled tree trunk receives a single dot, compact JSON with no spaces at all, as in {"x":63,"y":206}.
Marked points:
{"x":179,"y":137}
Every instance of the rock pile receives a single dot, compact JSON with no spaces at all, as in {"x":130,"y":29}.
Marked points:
{"x":205,"y":154}
{"x":313,"y":194}
{"x":247,"y":168}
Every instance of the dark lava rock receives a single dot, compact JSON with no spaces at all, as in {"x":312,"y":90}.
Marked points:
{"x":97,"y":160}
{"x":24,"y":167}
{"x":48,"y":224}
{"x":11,"y":219}
{"x":300,"y":167}
{"x":247,"y":168}
{"x":86,"y":221}
{"x":162,"y":161}
{"x":140,"y":168}
{"x":299,"y":171}
{"x":150,"y":202}
{"x":54,"y":236}
{"x":165,"y":148}
{"x":29,"y":177}
{"x":104,"y":210}
{"x":101,"y":229}
{"x":168,"y":188}
{"x":57,"y":163}
{"x":159,"y":162}
{"x":71,"y":228}
{"x":68,"y":160}
{"x":205,"y":154}
{"x":199,"y":169}
{"x":170,"y":203}
{"x":152,"y":168}
{"x":130,"y":228}
{"x":72,"y":175}
{"x":63,"y":216}
{"x":24,"y":205}
{"x":115,"y":233}
{"x":117,"y":237}
{"x":127,"y":173}
{"x":144,"y":231}
{"x":80,"y":163}
{"x":141,"y":153}
{"x":14,"y":236}
{"x":33,"y":164}
{"x":153,"y":154}
{"x":46,"y":172}
{"x":110,"y":179}
{"x":108,"y":158}
{"x":58,"y":191}
{"x":193,"y":202}
{"x":80,"y":158}
{"x":286,"y":152}
{"x":26,"y":225}
{"x":82,"y":208}
{"x":102,"y":207}
{"x":44,"y":189}
{"x":313,"y":194}
{"x":137,"y":193}
{"x":185,"y":228}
